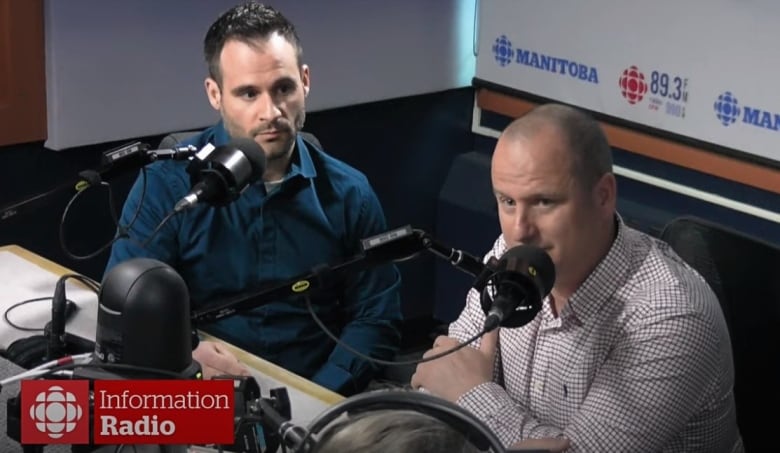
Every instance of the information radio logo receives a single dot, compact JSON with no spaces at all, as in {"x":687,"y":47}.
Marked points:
{"x":127,"y":412}
{"x":55,"y":412}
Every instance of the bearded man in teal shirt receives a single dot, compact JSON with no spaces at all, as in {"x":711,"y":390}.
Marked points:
{"x":310,"y":209}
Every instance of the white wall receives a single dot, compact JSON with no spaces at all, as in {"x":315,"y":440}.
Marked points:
{"x":124,"y":69}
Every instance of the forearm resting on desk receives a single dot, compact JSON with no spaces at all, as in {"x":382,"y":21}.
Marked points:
{"x":551,"y":444}
{"x":345,"y":372}
{"x":509,"y":421}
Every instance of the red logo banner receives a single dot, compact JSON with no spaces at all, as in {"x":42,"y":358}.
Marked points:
{"x":163,"y":412}
{"x":55,"y":412}
{"x":128,"y":412}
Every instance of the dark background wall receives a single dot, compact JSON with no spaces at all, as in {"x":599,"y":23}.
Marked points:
{"x":426,"y":166}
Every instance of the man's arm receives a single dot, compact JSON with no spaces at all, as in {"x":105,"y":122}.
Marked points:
{"x":148,"y":202}
{"x":472,"y":319}
{"x":489,"y":401}
{"x":652,"y":383}
{"x":649,"y":386}
{"x":372,"y":306}
{"x":470,"y":322}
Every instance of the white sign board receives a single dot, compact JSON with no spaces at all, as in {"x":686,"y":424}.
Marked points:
{"x":703,"y":69}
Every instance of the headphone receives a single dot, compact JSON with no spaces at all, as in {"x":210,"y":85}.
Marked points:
{"x":475,"y":432}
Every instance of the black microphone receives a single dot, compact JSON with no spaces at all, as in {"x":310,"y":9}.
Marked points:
{"x":143,"y":318}
{"x":224,"y":173}
{"x":521,"y":279}
{"x":406,"y":242}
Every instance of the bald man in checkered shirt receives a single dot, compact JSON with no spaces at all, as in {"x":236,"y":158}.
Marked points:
{"x":630,"y":352}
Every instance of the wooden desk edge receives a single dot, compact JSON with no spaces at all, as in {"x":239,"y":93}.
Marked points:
{"x":38,"y":260}
{"x":280,"y":374}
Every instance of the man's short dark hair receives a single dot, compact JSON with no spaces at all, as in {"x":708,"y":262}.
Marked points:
{"x":246,"y":22}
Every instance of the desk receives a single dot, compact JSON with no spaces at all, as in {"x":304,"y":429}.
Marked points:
{"x":25,"y":275}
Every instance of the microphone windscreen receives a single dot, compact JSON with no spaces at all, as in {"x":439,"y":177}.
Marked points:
{"x":254,"y":153}
{"x":532,"y":261}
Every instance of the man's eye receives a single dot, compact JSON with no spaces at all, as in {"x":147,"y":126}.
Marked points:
{"x":284,"y":90}
{"x":544,"y":202}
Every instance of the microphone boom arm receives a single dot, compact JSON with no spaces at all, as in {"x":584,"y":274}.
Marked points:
{"x":395,"y":245}
{"x":316,"y":279}
{"x":113,"y":162}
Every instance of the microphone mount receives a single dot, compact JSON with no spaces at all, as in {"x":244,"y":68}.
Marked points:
{"x":274,"y":415}
{"x":395,"y":245}
{"x":136,"y":155}
{"x":124,"y":158}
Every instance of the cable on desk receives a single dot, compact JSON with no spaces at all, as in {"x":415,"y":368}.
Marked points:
{"x":25,"y":302}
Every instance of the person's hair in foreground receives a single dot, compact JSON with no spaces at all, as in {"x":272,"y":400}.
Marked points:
{"x":392,"y":431}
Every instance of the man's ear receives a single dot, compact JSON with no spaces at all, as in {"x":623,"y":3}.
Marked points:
{"x":305,"y":79}
{"x":605,"y":192}
{"x":213,"y":92}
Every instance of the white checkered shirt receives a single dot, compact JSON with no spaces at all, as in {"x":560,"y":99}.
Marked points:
{"x":639,"y":360}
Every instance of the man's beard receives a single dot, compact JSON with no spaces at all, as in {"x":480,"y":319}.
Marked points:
{"x":292,"y":130}
{"x":280,"y":124}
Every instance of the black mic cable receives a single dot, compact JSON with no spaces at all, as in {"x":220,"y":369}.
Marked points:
{"x":519,"y":281}
{"x":354,"y":351}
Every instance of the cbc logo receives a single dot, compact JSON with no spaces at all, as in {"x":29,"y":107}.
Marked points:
{"x":632,"y":84}
{"x":55,"y":412}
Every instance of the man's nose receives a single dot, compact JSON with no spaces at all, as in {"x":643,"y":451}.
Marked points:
{"x":267,"y":108}
{"x":524,"y":229}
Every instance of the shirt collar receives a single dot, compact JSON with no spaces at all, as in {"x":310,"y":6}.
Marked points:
{"x":302,"y":163}
{"x":219,"y":135}
{"x":604,"y":280}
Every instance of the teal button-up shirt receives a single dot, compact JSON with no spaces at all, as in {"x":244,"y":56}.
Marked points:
{"x":318,"y":215}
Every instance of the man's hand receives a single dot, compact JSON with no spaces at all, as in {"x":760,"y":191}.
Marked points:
{"x":215,"y":360}
{"x":451,"y":376}
{"x":551,"y":444}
